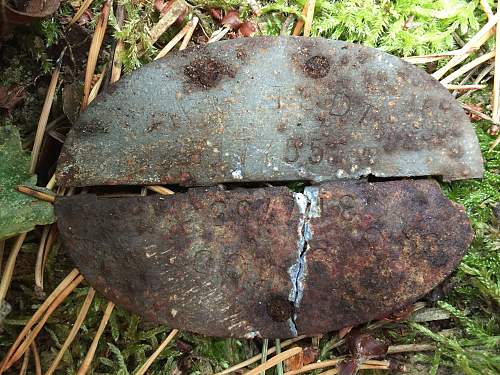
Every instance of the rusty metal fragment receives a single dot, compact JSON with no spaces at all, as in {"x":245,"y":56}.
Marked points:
{"x":267,"y":262}
{"x":271,"y":109}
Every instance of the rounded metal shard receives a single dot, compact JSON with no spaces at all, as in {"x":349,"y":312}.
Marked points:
{"x":271,"y":109}
{"x":267,"y":262}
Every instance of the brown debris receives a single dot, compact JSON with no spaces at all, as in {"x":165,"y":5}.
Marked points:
{"x":10,"y":97}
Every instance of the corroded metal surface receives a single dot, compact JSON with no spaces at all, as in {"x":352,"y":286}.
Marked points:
{"x":267,"y":262}
{"x":271,"y":109}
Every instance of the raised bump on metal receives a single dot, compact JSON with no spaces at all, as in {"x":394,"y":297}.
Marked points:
{"x":271,"y":109}
{"x":267,"y":262}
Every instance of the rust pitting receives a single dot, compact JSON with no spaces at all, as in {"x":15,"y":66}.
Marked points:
{"x":206,"y":72}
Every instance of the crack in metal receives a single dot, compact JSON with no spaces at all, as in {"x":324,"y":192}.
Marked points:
{"x":308,"y":207}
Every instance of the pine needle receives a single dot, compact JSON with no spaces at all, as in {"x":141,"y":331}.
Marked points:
{"x":171,"y":44}
{"x":469,"y":66}
{"x":90,"y":354}
{"x":160,"y":190}
{"x":33,"y":334}
{"x":85,"y":5}
{"x":176,"y":9}
{"x":496,"y":78}
{"x":278,"y":358}
{"x":74,"y":330}
{"x":36,"y":194}
{"x":473,"y":44}
{"x":95,"y":47}
{"x":300,"y":22}
{"x":36,"y":357}
{"x":40,"y":257}
{"x":257,"y":357}
{"x":9,"y":267}
{"x":189,"y":34}
{"x":362,"y":367}
{"x":157,"y":352}
{"x":309,"y":17}
{"x":45,"y":305}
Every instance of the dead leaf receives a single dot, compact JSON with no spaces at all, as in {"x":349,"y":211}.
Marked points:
{"x":248,"y":29}
{"x":232,"y":20}
{"x":344,"y":331}
{"x":476,"y":107}
{"x":348,"y":366}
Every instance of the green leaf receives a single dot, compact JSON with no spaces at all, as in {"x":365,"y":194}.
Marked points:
{"x":18,"y":212}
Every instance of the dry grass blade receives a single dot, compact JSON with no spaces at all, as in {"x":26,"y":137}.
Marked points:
{"x":90,"y":354}
{"x":74,"y":330}
{"x":278,"y":358}
{"x":36,"y":357}
{"x":300,"y":22}
{"x":171,"y":44}
{"x":36,"y":194}
{"x":473,"y":44}
{"x":257,"y":357}
{"x":218,"y":35}
{"x":48,"y":245}
{"x":176,"y":9}
{"x":45,"y":305}
{"x":479,"y":113}
{"x":33,"y":334}
{"x":157,"y":352}
{"x":2,"y":250}
{"x":469,"y":66}
{"x":384,"y":366}
{"x":95,"y":47}
{"x":160,"y":190}
{"x":44,"y":116}
{"x":85,"y":5}
{"x":9,"y":266}
{"x":40,"y":256}
{"x":189,"y":34}
{"x":309,"y":17}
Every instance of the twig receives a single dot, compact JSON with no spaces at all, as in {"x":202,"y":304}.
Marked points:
{"x":278,"y":358}
{"x":32,"y":335}
{"x":480,"y":77}
{"x":85,"y":5}
{"x":44,"y":116}
{"x":90,"y":354}
{"x":487,"y":9}
{"x":465,"y":68}
{"x":9,"y":267}
{"x":177,"y":9}
{"x":95,"y":47}
{"x":160,"y":190}
{"x":36,"y":357}
{"x":157,"y":352}
{"x":36,"y":194}
{"x":74,"y":330}
{"x":257,"y":357}
{"x":300,"y":22}
{"x":473,"y":44}
{"x":45,"y":305}
{"x":189,"y":34}
{"x":309,"y":17}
